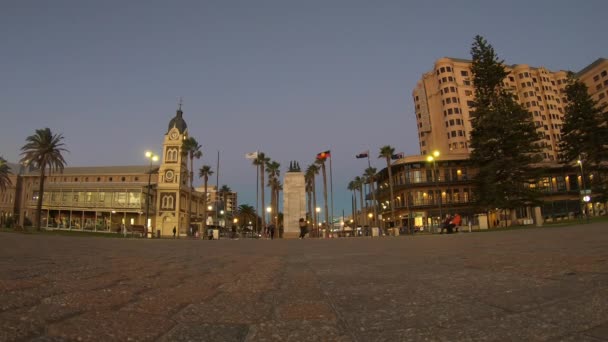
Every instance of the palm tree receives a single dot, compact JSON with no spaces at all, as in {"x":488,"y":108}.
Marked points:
{"x":353,"y":186}
{"x":5,"y":172}
{"x":261,"y":161}
{"x":246,"y":214}
{"x":43,"y":150}
{"x":360,"y":182}
{"x":224,"y":191}
{"x":387,"y":153}
{"x":273,"y":169}
{"x":204,"y":172}
{"x":192,"y":149}
{"x":370,"y":175}
{"x":322,"y":163}
{"x":311,"y":171}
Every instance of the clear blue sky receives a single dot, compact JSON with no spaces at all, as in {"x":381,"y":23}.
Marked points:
{"x":290,"y":78}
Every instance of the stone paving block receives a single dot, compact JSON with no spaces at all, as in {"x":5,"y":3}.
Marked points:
{"x":305,"y":310}
{"x":111,"y":326}
{"x":579,"y":313}
{"x":229,"y":308}
{"x":166,"y":301}
{"x":297,"y":331}
{"x":207,"y":332}
{"x":93,"y":300}
{"x":600,"y":331}
{"x":512,"y":327}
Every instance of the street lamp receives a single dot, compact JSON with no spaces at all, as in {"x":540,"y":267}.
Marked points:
{"x":318,"y":210}
{"x":432,"y":159}
{"x":269,"y":211}
{"x":584,"y":199}
{"x":153,"y":158}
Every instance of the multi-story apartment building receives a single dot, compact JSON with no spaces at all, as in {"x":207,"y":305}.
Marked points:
{"x":443,"y":100}
{"x":595,"y":77}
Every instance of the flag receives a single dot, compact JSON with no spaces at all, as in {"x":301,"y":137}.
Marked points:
{"x":324,"y":155}
{"x":251,"y":155}
{"x":362,"y":155}
{"x":397,"y":156}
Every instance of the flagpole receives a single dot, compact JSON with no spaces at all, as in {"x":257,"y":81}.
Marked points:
{"x":217,"y":185}
{"x":257,"y":197}
{"x":331,"y":190}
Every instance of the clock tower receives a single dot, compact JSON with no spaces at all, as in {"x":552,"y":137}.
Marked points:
{"x":172,"y":192}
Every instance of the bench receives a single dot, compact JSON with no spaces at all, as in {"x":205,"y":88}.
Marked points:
{"x":139,"y":229}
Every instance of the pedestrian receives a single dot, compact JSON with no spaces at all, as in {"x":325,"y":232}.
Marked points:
{"x":271,"y":229}
{"x":303,"y":228}
{"x":174,"y":231}
{"x":446,"y":223}
{"x":233,"y":231}
{"x":455,"y":223}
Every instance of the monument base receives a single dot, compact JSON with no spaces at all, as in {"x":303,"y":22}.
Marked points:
{"x":291,"y":235}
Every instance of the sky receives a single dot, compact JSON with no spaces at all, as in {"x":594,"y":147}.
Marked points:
{"x":288,"y":78}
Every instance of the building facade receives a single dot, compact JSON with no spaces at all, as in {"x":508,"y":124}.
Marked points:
{"x":113,"y":198}
{"x":443,"y":100}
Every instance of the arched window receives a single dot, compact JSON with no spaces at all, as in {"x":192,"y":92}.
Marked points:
{"x":171,"y":155}
{"x":167,"y":202}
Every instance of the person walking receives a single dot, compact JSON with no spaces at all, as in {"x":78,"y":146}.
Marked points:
{"x":271,"y":229}
{"x":303,"y":228}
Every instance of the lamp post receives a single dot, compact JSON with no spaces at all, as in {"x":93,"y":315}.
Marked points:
{"x":584,"y":198}
{"x":433,"y":158}
{"x":153,"y":158}
{"x":318,"y":210}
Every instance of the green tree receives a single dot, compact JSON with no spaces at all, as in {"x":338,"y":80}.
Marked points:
{"x":43,"y":151}
{"x":585,"y":128}
{"x":5,"y":172}
{"x":370,"y":177}
{"x":260,"y":162}
{"x":191,"y":149}
{"x":387,"y":152}
{"x":504,"y":141}
{"x":311,"y":172}
{"x":205,"y":172}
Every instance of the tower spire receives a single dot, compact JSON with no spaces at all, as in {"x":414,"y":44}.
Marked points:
{"x":180,"y":104}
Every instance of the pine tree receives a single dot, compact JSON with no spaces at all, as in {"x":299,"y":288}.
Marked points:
{"x":503,"y":139}
{"x":585,"y":131}
{"x":585,"y":134}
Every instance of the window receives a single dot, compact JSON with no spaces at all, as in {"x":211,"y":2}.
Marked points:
{"x":596,"y":78}
{"x":604,"y":73}
{"x":442,"y":69}
{"x":467,"y":82}
{"x":468,"y":92}
{"x":466,"y":73}
{"x":448,"y":69}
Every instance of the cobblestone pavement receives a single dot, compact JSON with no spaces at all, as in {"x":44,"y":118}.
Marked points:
{"x":521,"y":285}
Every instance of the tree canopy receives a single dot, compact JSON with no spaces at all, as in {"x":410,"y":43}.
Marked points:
{"x":504,"y":141}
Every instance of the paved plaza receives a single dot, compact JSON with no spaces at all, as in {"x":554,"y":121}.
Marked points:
{"x":518,"y":285}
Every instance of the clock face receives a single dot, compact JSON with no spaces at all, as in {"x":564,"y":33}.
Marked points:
{"x":169,"y":175}
{"x":174,"y":135}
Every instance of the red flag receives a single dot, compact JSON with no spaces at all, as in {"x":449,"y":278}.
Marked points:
{"x":324,"y":155}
